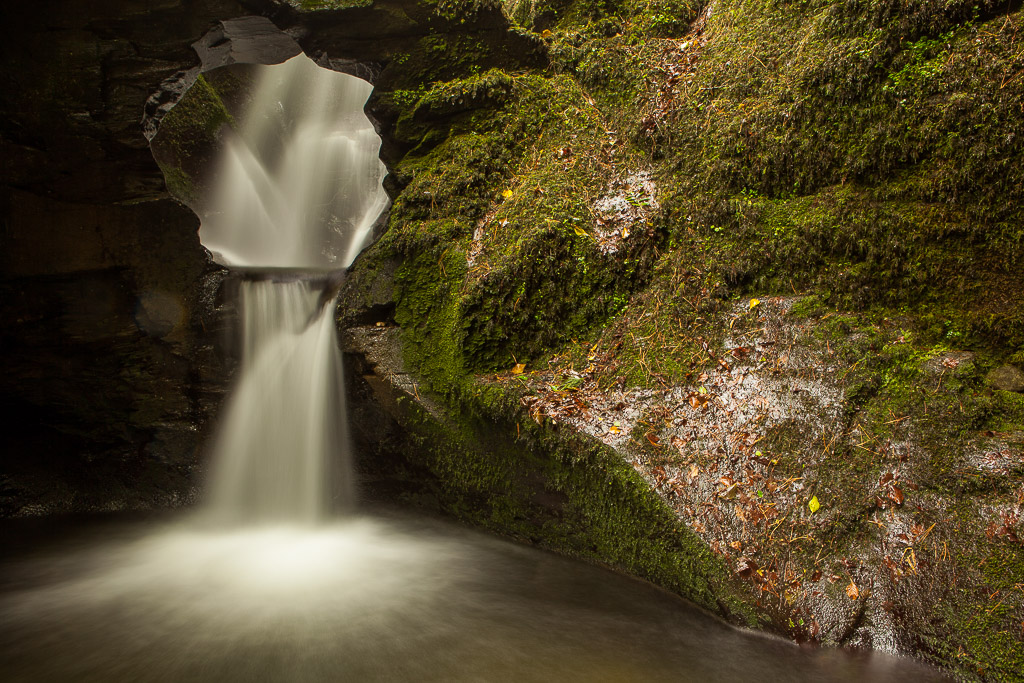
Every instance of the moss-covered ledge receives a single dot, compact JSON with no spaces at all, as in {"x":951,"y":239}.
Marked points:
{"x":480,"y":458}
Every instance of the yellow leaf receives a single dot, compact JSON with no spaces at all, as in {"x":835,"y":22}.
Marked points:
{"x":754,"y":303}
{"x":625,"y":232}
{"x":580,"y":231}
{"x":518,"y":368}
{"x":813,"y":504}
{"x":614,"y":429}
{"x":506,"y":194}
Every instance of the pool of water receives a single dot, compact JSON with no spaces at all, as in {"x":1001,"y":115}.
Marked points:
{"x":368,"y":598}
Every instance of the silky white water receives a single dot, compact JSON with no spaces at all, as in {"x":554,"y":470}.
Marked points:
{"x":299,"y":183}
{"x":299,"y":188}
{"x":282,"y":451}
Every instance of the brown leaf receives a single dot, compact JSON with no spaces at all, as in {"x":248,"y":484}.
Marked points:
{"x":653,"y":438}
{"x":896,"y":495}
{"x":746,"y":567}
{"x":852,"y":591}
{"x":815,"y":628}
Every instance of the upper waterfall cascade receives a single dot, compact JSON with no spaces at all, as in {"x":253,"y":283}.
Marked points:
{"x":299,"y":183}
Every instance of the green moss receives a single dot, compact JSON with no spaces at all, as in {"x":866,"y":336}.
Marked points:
{"x":179,"y":183}
{"x":317,"y":5}
{"x":500,"y":188}
{"x":429,"y":310}
{"x":983,"y":614}
{"x":562,"y":492}
{"x":195,"y":120}
{"x":189,"y":136}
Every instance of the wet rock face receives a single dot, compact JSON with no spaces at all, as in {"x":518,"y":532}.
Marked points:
{"x":109,"y":369}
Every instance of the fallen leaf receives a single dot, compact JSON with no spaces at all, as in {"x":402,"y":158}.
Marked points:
{"x":746,"y":567}
{"x":653,"y":438}
{"x":815,"y":628}
{"x":518,"y":368}
{"x":754,"y":303}
{"x":852,"y":591}
{"x":506,"y":194}
{"x":580,"y":231}
{"x":813,"y":504}
{"x":896,"y":495}
{"x":694,"y":471}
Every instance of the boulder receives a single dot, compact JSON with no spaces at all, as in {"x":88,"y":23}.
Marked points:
{"x":1006,"y":378}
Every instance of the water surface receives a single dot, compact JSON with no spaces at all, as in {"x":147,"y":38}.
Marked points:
{"x":367,"y":598}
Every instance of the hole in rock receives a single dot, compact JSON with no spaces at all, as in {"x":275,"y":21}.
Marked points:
{"x":280,"y":163}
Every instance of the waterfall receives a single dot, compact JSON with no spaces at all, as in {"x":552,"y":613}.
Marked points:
{"x":299,"y":183}
{"x":286,"y":417}
{"x":299,"y":189}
